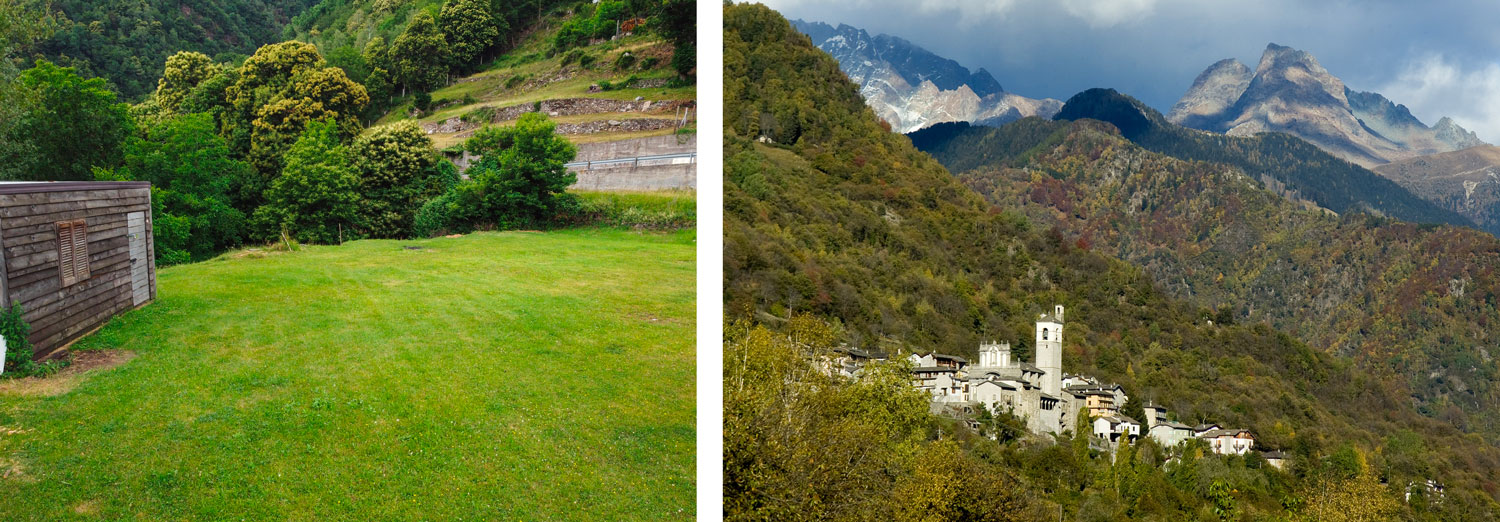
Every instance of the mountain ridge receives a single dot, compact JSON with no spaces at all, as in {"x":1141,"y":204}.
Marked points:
{"x":1298,"y":168}
{"x":1290,"y":91}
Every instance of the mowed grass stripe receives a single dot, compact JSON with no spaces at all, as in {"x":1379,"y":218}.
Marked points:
{"x":505,"y":375}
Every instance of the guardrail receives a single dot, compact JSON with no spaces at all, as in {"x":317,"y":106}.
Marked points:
{"x":681,"y":158}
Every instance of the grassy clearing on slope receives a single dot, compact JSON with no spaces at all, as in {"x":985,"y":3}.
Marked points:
{"x":496,"y":376}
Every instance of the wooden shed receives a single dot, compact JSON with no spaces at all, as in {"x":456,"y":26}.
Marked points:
{"x":74,"y":255}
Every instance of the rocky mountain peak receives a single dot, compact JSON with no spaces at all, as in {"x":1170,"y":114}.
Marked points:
{"x":1289,"y":91}
{"x":1286,"y":71}
{"x":1214,"y":91}
{"x":1456,"y":136}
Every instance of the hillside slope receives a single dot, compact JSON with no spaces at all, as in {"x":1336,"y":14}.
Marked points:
{"x":1465,"y":181}
{"x":568,"y":87}
{"x":831,"y":215}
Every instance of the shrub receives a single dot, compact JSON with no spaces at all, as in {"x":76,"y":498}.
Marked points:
{"x":649,"y":62}
{"x":18,"y":349}
{"x":655,"y":211}
{"x":573,"y":33}
{"x":572,"y":56}
{"x":17,"y":344}
{"x":586,"y":60}
{"x":480,"y":115}
{"x":514,"y":81}
{"x":624,"y":61}
{"x":519,"y":181}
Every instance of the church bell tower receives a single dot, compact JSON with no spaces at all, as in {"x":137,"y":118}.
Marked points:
{"x":1049,"y":330}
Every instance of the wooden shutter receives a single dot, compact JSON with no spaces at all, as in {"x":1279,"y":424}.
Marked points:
{"x":72,"y":251}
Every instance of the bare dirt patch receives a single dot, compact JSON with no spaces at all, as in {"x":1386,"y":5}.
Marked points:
{"x":13,"y":470}
{"x":84,"y":363}
{"x":87,"y":507}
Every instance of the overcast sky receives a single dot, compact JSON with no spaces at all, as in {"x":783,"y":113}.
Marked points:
{"x":1438,"y":58}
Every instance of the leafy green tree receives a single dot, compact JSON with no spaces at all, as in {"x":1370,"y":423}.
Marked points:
{"x":378,"y":85}
{"x":470,"y":30}
{"x":420,"y":56}
{"x":377,"y":54}
{"x":75,"y":125}
{"x":263,"y":78}
{"x":211,"y":95}
{"x":192,"y":175}
{"x":316,"y":197}
{"x":183,"y":73}
{"x":399,"y":171}
{"x":351,"y":60}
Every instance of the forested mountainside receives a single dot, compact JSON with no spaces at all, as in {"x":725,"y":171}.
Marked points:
{"x":1293,"y":167}
{"x":838,"y":231}
{"x":127,"y":41}
{"x":1418,"y":302}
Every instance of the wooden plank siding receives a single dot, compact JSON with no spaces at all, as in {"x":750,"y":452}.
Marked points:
{"x":29,"y":272}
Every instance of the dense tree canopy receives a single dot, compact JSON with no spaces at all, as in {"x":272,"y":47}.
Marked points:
{"x":192,"y":175}
{"x":126,"y":41}
{"x":281,"y":88}
{"x":183,"y":73}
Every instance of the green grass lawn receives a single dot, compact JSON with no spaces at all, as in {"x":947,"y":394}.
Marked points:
{"x":496,"y":376}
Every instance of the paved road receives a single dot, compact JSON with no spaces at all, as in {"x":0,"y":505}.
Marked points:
{"x":680,"y":158}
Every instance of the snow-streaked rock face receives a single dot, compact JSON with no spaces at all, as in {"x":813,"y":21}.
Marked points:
{"x":911,"y":88}
{"x":1289,"y":91}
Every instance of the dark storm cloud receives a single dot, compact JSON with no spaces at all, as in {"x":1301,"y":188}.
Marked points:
{"x":1438,"y":58}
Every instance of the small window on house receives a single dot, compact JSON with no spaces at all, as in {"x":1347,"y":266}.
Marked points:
{"x":1044,"y":334}
{"x":73,"y":251}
